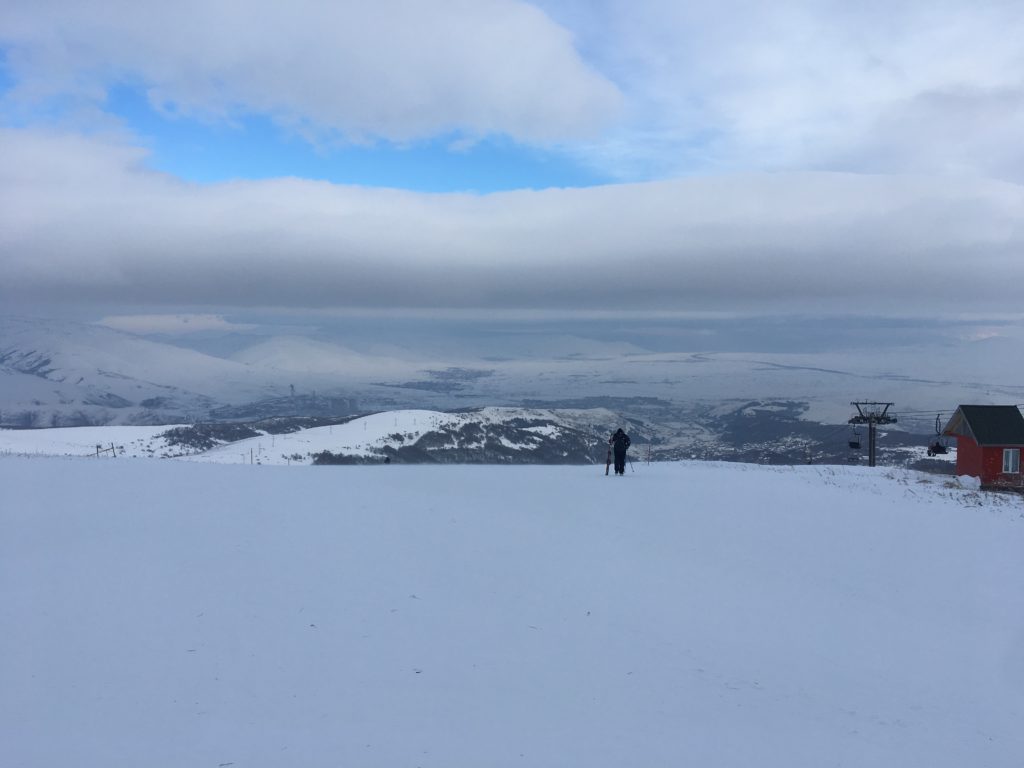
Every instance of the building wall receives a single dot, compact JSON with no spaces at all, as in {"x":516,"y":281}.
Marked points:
{"x":992,"y":467}
{"x":969,"y":457}
{"x":991,"y":464}
{"x":984,"y":463}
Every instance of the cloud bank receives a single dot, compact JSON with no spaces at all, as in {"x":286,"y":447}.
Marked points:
{"x":176,"y":324}
{"x":83,"y":220}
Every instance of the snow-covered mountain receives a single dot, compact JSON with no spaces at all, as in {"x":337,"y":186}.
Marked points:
{"x":173,"y":614}
{"x":755,"y":432}
{"x":770,"y":408}
{"x":56,"y":373}
{"x":302,"y":356}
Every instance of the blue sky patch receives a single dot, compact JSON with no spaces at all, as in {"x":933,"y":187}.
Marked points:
{"x":255,"y":147}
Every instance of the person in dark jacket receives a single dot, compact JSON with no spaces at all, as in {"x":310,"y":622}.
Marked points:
{"x":619,"y":443}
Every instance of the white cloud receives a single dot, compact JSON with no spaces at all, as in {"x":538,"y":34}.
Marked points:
{"x":356,"y":70}
{"x":83,"y":220}
{"x":641,"y":89}
{"x":740,"y":85}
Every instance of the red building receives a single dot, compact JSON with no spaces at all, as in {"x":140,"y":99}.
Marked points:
{"x":989,"y":439}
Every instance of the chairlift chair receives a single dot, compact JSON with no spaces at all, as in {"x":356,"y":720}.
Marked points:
{"x":855,"y":440}
{"x":938,"y":448}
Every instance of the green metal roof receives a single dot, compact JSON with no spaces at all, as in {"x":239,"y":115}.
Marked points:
{"x":988,"y":424}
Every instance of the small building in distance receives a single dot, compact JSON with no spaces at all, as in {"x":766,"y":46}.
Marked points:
{"x":989,"y":439}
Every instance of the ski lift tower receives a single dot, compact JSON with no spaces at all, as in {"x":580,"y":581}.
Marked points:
{"x":872,"y":414}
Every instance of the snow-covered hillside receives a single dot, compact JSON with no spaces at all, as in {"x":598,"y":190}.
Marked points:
{"x":61,"y":373}
{"x":56,"y":373}
{"x":170,"y":613}
{"x":488,"y":435}
{"x":131,"y":442}
{"x":480,"y":436}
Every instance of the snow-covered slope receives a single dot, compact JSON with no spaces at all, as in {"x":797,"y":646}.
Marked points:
{"x":92,"y":354}
{"x":111,"y":442}
{"x":490,"y":435}
{"x":169,"y":614}
{"x":81,"y":372}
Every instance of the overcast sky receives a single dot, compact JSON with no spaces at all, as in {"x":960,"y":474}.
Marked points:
{"x":563,"y":155}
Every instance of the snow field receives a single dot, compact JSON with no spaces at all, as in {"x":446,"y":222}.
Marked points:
{"x":170,"y":613}
{"x":82,"y":441}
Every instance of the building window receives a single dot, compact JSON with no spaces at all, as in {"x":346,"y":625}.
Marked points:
{"x":1011,"y":461}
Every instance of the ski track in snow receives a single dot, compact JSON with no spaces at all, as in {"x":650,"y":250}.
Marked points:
{"x":179,"y":614}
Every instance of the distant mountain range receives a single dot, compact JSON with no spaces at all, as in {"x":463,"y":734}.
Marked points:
{"x":68,"y":374}
{"x":766,"y":408}
{"x":757,"y":433}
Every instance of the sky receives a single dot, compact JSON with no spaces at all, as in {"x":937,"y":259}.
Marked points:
{"x":560,"y":157}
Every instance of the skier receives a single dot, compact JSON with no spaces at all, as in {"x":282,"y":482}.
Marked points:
{"x":619,"y":442}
